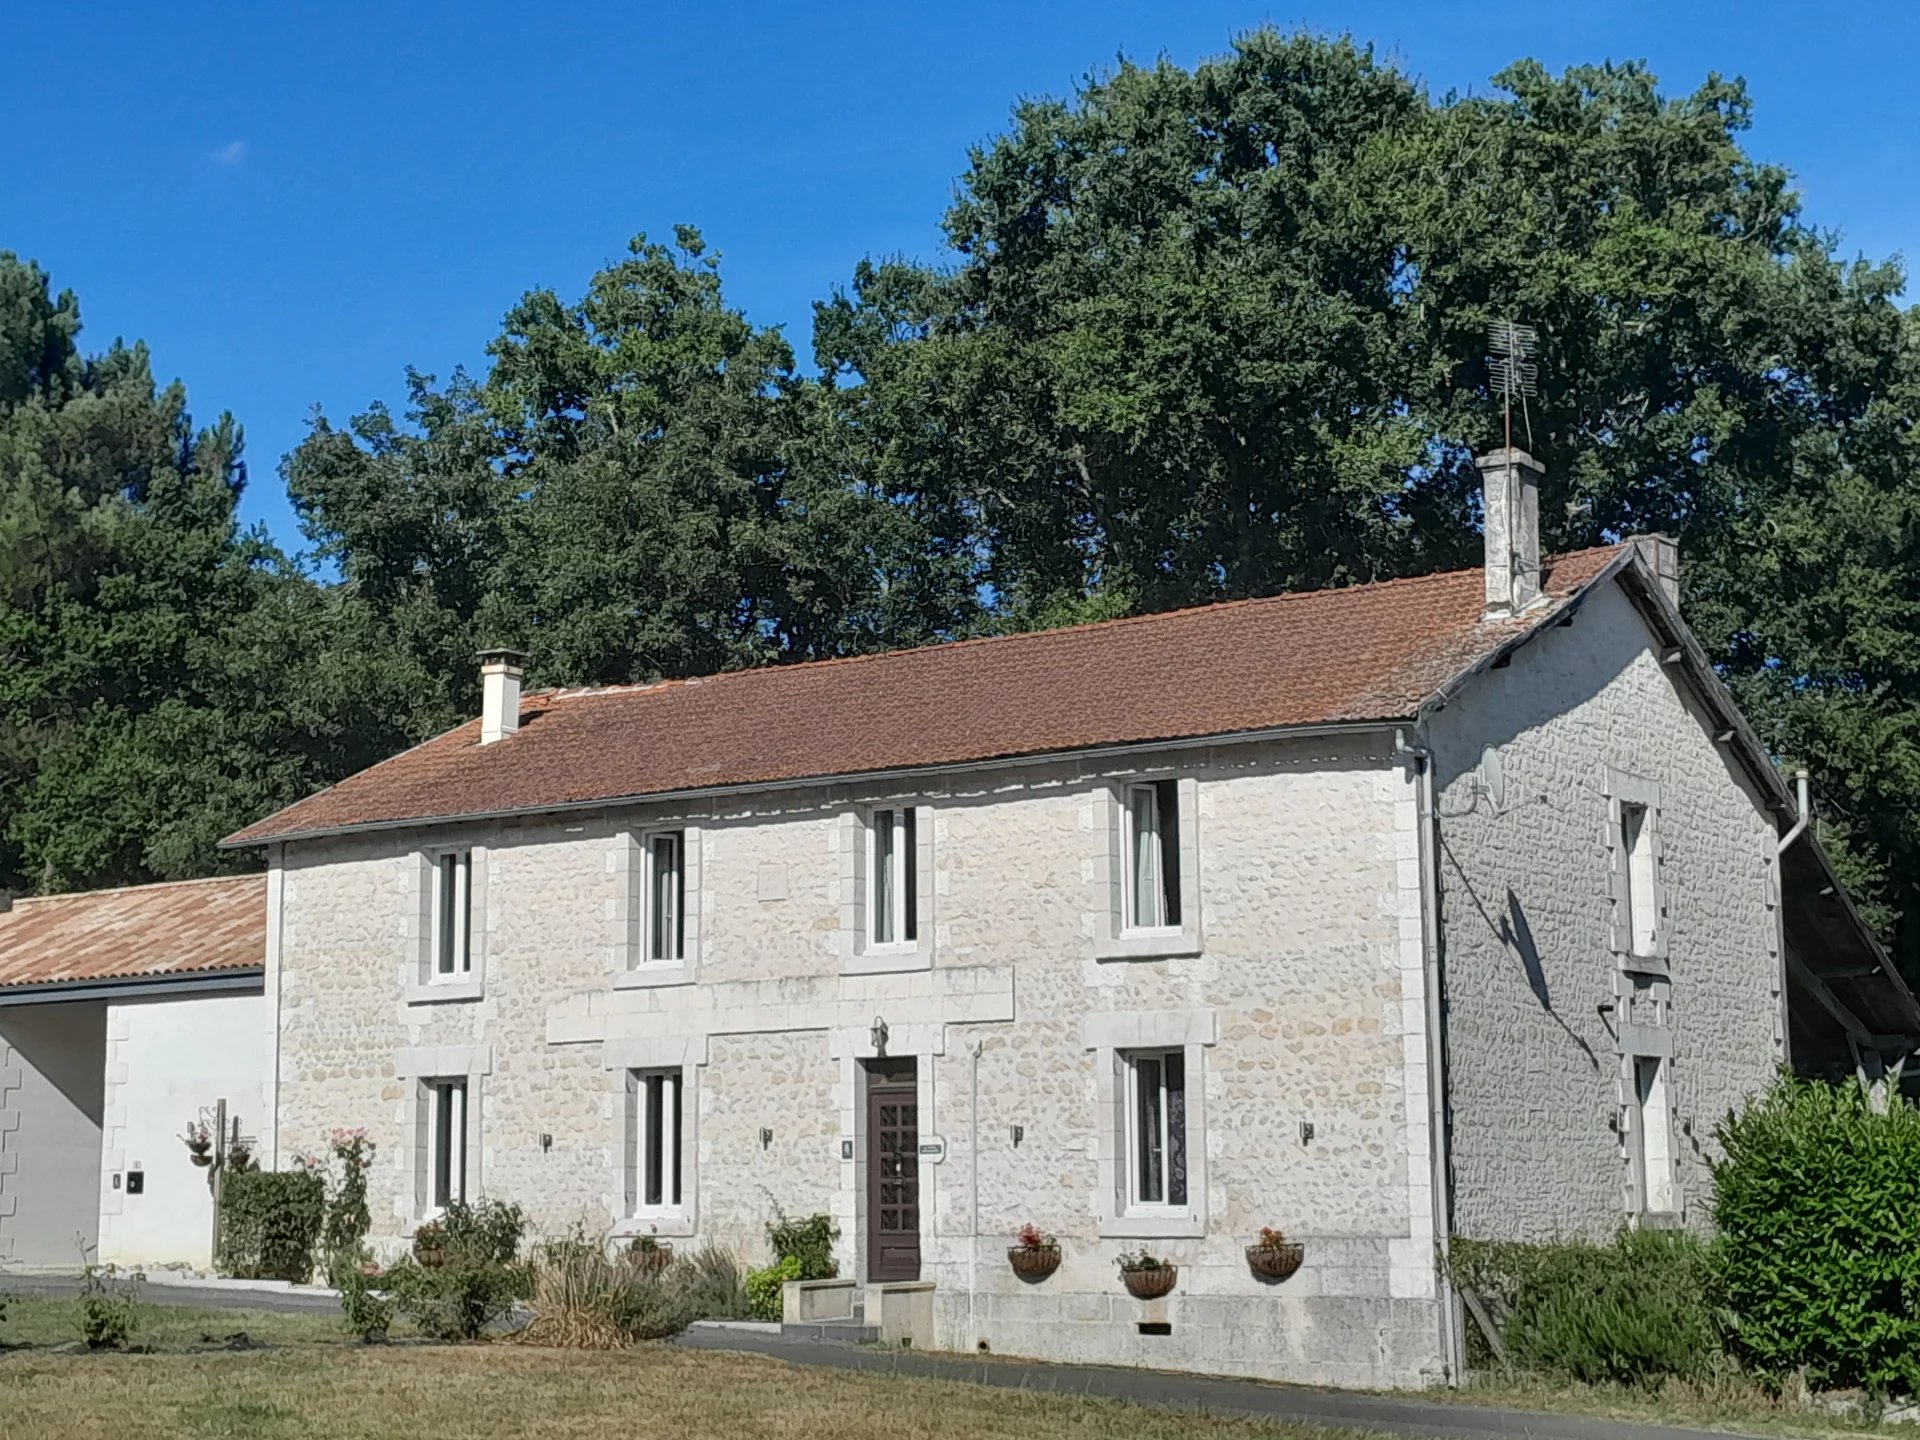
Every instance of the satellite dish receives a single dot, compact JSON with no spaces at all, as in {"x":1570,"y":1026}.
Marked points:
{"x":1493,"y":778}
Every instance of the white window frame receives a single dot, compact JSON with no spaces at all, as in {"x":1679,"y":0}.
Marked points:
{"x":896,"y":828}
{"x":452,"y":916}
{"x":859,"y":845}
{"x":669,"y":948}
{"x":639,"y":1142}
{"x":1138,"y":1203}
{"x":633,"y":860}
{"x":447,"y":1101}
{"x":1656,"y":1178}
{"x":1143,"y":797}
{"x":1115,"y":870}
{"x":1115,"y":1038}
{"x":1636,"y":882}
{"x":467,"y":867}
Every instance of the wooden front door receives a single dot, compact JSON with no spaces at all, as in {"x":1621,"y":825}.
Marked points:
{"x":893,"y":1171}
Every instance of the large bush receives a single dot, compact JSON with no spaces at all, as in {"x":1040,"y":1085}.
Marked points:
{"x":1629,"y":1312}
{"x":585,"y":1298}
{"x":270,"y":1224}
{"x":1818,"y":1206}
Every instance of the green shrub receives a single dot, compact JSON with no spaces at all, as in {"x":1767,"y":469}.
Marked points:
{"x":764,"y":1287}
{"x":348,"y":1219}
{"x":369,"y":1314}
{"x":457,"y":1300}
{"x":109,"y":1312}
{"x":1631,"y":1312}
{"x":716,"y":1288}
{"x":586,"y":1298}
{"x":487,"y":1231}
{"x":1818,"y":1206}
{"x":807,"y":1242}
{"x":270,"y":1223}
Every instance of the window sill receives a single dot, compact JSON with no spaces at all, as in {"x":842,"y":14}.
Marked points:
{"x":654,"y":974}
{"x":1171,"y":1225}
{"x":674,"y":1226}
{"x":886,"y":959}
{"x":1657,"y":1220}
{"x":1641,"y":964}
{"x":446,"y":992}
{"x":1148,"y":945}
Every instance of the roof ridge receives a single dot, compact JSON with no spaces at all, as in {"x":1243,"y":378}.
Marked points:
{"x":972,"y":641}
{"x":20,"y":900}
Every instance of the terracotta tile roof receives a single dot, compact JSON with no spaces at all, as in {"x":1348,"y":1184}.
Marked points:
{"x":181,"y":928}
{"x":1367,"y":652}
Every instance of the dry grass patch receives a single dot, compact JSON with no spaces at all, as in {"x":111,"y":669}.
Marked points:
{"x":503,"y":1392}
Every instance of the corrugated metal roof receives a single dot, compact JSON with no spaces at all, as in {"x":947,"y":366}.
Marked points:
{"x":180,"y":928}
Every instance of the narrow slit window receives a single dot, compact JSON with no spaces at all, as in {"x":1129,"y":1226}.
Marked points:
{"x":446,"y":1143}
{"x":1153,"y":856}
{"x":1642,"y":905}
{"x":654,"y":1140}
{"x":666,"y":897}
{"x":452,"y":929}
{"x":1654,"y":1130}
{"x":1156,"y":1139}
{"x":892,"y":852}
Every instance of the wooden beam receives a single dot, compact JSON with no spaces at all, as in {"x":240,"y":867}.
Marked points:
{"x":1857,"y":1033}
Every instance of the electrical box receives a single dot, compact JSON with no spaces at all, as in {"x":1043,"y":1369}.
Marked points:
{"x":136,"y":1182}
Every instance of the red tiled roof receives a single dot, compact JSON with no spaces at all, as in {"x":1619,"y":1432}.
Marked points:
{"x":181,"y":928}
{"x":1367,"y":652}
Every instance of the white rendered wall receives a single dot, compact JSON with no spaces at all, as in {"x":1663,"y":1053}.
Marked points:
{"x":167,"y":1062}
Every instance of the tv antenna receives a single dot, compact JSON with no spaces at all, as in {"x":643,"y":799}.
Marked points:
{"x":1511,"y":370}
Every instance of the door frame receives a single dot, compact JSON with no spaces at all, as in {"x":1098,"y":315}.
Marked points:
{"x":907,"y":1078}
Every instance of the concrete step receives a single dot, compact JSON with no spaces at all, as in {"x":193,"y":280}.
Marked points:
{"x":845,"y":1332}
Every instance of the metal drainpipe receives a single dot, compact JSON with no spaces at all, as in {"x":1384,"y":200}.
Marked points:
{"x":973,"y":1189}
{"x":1450,"y":1339}
{"x":1806,"y":810}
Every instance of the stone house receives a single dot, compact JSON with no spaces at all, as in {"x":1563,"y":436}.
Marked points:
{"x":125,"y":1016}
{"x":1455,"y":904}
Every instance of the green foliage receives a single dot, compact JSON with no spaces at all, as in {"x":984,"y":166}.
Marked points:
{"x":808,"y":1242}
{"x":368,"y":1313}
{"x":1818,"y":1207}
{"x":348,"y":1220}
{"x":1633,"y":1312}
{"x":456,"y":1300}
{"x":484,"y":1232}
{"x":716,"y":1288}
{"x":587,"y":1298}
{"x":270,"y":1224}
{"x":764,"y":1286}
{"x":109,"y":1308}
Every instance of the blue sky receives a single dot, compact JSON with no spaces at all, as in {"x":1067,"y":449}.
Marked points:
{"x":292,"y":202}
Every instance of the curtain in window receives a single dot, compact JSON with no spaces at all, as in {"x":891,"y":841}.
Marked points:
{"x":1147,"y":907}
{"x":885,"y":861}
{"x":1176,"y":1068}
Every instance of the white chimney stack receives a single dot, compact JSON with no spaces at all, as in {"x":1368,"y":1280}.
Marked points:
{"x":1510,"y":485}
{"x":500,"y":672}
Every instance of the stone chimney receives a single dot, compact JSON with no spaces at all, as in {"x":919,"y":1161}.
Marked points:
{"x":1662,"y":554}
{"x":1510,"y":483}
{"x":500,"y":672}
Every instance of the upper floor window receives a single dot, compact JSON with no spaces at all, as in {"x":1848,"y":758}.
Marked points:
{"x":892,"y":876}
{"x":1636,"y":847}
{"x":453,"y":914}
{"x":1152,"y":832}
{"x":1156,"y":1139}
{"x":654,"y":1117}
{"x":666,"y":897}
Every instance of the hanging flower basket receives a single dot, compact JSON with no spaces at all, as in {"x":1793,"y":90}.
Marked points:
{"x":1276,"y":1262}
{"x":201,"y":1158}
{"x":1034,"y":1263}
{"x":430,"y":1256}
{"x":1150,"y":1284}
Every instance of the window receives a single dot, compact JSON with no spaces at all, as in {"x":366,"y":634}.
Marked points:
{"x":1153,"y":856}
{"x":1156,"y":1140}
{"x":1653,"y":1134}
{"x":666,"y":924}
{"x":892,"y":873}
{"x":452,"y":914}
{"x":446,"y":1105}
{"x":1642,"y":906}
{"x":653,"y":1141}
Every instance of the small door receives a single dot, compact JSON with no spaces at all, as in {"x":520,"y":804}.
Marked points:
{"x":893,"y":1170}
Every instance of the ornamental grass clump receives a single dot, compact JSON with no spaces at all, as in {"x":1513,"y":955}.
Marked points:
{"x":585,"y":1298}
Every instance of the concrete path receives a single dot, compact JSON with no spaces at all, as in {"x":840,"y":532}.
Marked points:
{"x":1346,"y":1409}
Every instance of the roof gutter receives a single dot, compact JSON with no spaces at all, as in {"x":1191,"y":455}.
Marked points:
{"x":860,"y":777}
{"x":252,"y":979}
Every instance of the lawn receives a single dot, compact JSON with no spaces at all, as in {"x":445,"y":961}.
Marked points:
{"x":313,"y":1382}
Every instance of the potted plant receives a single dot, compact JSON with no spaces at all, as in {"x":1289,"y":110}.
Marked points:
{"x":199,"y":1142}
{"x":239,"y":1157}
{"x":430,"y":1243}
{"x":1146,"y":1275}
{"x":1273,"y":1256}
{"x":1035,"y":1254}
{"x":650,"y":1256}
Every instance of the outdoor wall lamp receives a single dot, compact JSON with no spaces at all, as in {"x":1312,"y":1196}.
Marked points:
{"x":766,"y":1137}
{"x":879,"y":1036}
{"x":1019,"y":1134}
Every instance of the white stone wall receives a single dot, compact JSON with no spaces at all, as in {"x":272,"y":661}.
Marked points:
{"x":1301,"y":1004}
{"x":1539,"y":1098}
{"x":168,"y":1063}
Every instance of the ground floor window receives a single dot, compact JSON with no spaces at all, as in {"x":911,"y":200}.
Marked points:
{"x":1156,"y":1121}
{"x":654,"y":1116}
{"x":1653,"y":1135}
{"x":445,"y":1103}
